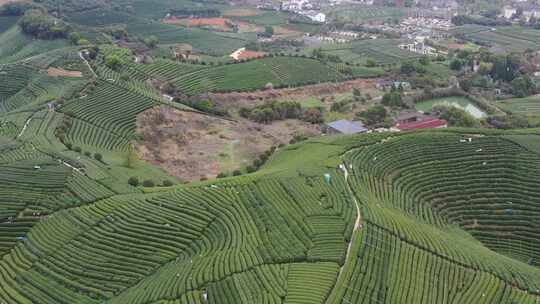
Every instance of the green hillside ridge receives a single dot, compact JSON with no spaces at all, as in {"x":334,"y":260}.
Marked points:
{"x":281,"y":234}
{"x":446,"y":216}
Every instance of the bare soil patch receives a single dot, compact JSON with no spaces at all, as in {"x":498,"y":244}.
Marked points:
{"x":283,"y":32}
{"x":191,"y":145}
{"x":245,"y":27}
{"x":239,"y":99}
{"x":214,"y":23}
{"x":58,"y":72}
{"x":240,"y":12}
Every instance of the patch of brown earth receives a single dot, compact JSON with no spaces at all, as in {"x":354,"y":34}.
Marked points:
{"x":240,"y":12}
{"x":57,"y":72}
{"x":245,"y":27}
{"x":283,"y":32}
{"x":191,"y":145}
{"x":238,"y":99}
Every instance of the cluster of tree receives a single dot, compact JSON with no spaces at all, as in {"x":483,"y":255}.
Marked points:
{"x":63,"y":127}
{"x":135,"y":182}
{"x":113,"y":61}
{"x":97,"y":156}
{"x":454,"y":116}
{"x":196,"y":13}
{"x":151,"y":41}
{"x":256,"y":165}
{"x":301,"y":19}
{"x":370,"y":30}
{"x":523,"y":86}
{"x":39,"y":24}
{"x":393,"y":99}
{"x":340,"y":106}
{"x":202,"y":104}
{"x":428,"y":94}
{"x":509,"y":121}
{"x":504,"y":68}
{"x":77,"y":39}
{"x":117,"y":32}
{"x":274,"y":110}
{"x":276,"y":45}
{"x":320,"y":55}
{"x":409,"y":67}
{"x":268,"y":32}
{"x":63,"y":6}
{"x":375,"y":116}
{"x":480,"y":20}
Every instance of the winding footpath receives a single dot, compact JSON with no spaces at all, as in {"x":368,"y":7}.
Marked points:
{"x":87,"y":63}
{"x":357,"y":226}
{"x":25,"y":126}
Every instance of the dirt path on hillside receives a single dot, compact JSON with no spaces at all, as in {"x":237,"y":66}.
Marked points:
{"x":87,"y":64}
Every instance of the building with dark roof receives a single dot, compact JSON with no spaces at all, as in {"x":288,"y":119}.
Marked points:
{"x":345,"y":126}
{"x":409,"y":116}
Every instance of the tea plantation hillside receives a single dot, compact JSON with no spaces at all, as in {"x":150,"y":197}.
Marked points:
{"x":432,"y":217}
{"x":444,"y":217}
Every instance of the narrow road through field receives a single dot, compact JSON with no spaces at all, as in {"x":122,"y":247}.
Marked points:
{"x":356,"y":227}
{"x":87,"y":63}
{"x":25,"y":126}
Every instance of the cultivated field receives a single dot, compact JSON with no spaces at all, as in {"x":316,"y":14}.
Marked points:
{"x":360,"y":13}
{"x":109,"y":192}
{"x":510,"y":39}
{"x":528,"y":107}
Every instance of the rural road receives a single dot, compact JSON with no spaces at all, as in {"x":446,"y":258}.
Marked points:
{"x":357,"y":225}
{"x":25,"y":126}
{"x":87,"y":63}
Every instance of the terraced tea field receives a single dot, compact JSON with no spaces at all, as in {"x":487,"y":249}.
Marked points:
{"x":510,"y":39}
{"x":429,"y":217}
{"x":360,"y":13}
{"x":280,"y":71}
{"x":528,"y":107}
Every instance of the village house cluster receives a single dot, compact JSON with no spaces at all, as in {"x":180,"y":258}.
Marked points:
{"x":404,"y":121}
{"x":521,"y":10}
{"x":304,"y":8}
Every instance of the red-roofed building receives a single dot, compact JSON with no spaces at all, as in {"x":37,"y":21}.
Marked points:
{"x":429,"y":123}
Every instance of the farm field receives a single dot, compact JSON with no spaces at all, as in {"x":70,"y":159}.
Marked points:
{"x":202,"y":40}
{"x":280,"y":71}
{"x":383,"y":51}
{"x":284,"y":231}
{"x":360,"y":13}
{"x":510,"y":38}
{"x":528,"y":107}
